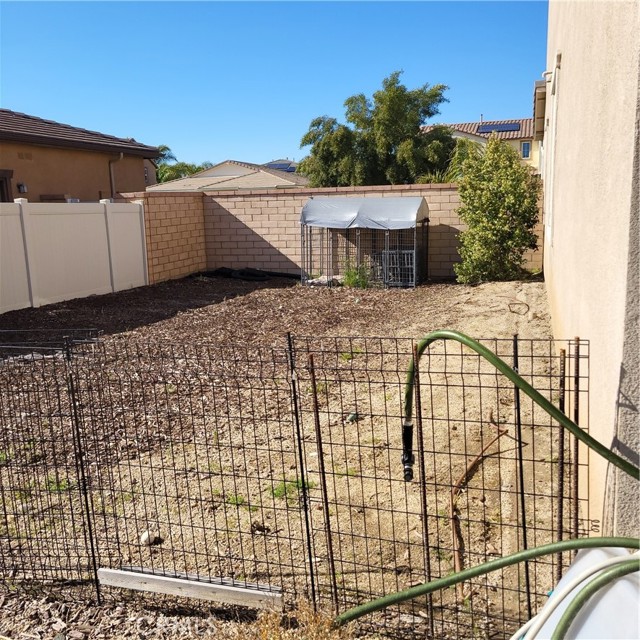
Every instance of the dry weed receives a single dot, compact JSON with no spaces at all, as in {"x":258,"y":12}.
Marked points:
{"x":302,"y":624}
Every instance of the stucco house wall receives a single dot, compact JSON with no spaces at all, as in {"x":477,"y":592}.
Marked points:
{"x":591,"y":150}
{"x":78,"y":173}
{"x":47,"y":161}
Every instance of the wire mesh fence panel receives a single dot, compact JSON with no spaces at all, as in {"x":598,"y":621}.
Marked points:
{"x":487,"y":480}
{"x":196,"y":475}
{"x":44,"y":532}
{"x":280,"y":470}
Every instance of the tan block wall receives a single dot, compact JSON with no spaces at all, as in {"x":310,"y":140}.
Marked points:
{"x":190,"y":232}
{"x":261,"y":229}
{"x":175,"y":233}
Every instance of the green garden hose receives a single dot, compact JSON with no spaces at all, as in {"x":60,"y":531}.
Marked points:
{"x":521,"y":556}
{"x":574,"y":607}
{"x":474,"y":572}
{"x":523,"y":385}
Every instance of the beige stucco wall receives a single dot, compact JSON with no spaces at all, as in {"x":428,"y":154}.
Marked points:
{"x":589,"y":180}
{"x":534,"y":159}
{"x":80,"y":174}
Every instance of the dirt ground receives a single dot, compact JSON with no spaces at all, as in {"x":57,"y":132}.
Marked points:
{"x":207,"y":310}
{"x":225,"y":310}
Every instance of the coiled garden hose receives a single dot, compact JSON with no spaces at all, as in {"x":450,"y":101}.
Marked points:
{"x":605,"y":578}
{"x":521,"y":556}
{"x":530,"y":630}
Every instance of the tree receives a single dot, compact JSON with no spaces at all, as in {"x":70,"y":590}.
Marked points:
{"x":383,"y":141}
{"x":499,"y":198}
{"x":165,"y":156}
{"x":168,"y":167}
{"x":463,"y":149}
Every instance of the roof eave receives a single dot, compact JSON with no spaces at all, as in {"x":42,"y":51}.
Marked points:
{"x":49,"y":141}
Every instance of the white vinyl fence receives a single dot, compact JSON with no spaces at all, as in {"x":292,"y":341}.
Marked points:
{"x":54,"y":252}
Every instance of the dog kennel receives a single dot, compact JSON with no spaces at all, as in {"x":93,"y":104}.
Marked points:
{"x":364,"y":242}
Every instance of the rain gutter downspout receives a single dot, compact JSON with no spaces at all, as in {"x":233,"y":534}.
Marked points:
{"x":112,"y":181}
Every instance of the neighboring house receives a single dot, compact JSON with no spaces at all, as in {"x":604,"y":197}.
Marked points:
{"x":285,"y":164}
{"x":235,"y":175}
{"x":518,"y":133}
{"x":46,"y":161}
{"x":588,"y":111}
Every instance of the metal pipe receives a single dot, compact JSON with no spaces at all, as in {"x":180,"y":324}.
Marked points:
{"x":112,"y":180}
{"x":523,"y":507}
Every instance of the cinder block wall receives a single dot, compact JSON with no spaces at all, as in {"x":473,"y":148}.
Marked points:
{"x":175,"y":233}
{"x":190,"y":232}
{"x":261,"y":228}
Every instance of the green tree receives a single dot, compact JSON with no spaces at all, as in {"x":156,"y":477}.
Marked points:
{"x":165,"y":156}
{"x":168,"y":167}
{"x":463,"y":149}
{"x":383,"y":141}
{"x":499,"y":197}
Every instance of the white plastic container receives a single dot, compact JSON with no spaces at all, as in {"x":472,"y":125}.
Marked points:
{"x":611,"y":614}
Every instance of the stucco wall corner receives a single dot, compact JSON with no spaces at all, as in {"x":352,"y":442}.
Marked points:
{"x":621,"y":513}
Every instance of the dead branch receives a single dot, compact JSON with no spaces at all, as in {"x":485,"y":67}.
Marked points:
{"x":456,"y":534}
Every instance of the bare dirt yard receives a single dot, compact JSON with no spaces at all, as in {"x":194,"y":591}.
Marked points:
{"x":225,"y":310}
{"x":221,"y":311}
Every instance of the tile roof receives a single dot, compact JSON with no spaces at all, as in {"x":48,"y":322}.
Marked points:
{"x":260,"y":178}
{"x":20,"y":127}
{"x":296,"y":178}
{"x":526,"y":128}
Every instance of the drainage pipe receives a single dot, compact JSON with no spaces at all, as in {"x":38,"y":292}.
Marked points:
{"x":112,"y":180}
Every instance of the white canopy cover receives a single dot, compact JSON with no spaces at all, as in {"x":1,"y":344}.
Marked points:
{"x":364,"y":213}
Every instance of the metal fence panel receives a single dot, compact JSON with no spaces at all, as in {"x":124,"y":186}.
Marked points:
{"x":280,"y":470}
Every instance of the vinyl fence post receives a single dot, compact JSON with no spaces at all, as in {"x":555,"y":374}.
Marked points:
{"x":105,"y":203}
{"x":26,"y":237}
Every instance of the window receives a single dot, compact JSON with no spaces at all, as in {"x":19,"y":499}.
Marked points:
{"x":5,"y":185}
{"x":525,"y":150}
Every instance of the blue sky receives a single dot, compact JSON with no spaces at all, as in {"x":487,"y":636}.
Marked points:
{"x":243,"y":80}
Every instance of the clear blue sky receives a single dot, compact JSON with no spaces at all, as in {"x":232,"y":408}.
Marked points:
{"x":243,"y":80}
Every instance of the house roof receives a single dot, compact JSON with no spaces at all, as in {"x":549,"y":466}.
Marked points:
{"x":524,"y":131}
{"x":232,"y":174}
{"x":20,"y":127}
{"x":283,"y":164}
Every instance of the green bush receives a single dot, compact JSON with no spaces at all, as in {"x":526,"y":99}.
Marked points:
{"x":356,"y":276}
{"x":499,"y":197}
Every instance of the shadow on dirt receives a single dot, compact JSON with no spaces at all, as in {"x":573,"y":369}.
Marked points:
{"x":127,"y":310}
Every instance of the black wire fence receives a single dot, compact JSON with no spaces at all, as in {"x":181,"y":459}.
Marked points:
{"x":258,"y":476}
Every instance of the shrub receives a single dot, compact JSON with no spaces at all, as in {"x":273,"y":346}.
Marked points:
{"x":356,"y":276}
{"x":499,"y":198}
